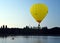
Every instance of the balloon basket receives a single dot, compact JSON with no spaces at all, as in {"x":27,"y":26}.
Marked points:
{"x":39,"y":26}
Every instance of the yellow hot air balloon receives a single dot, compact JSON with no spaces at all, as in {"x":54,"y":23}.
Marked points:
{"x":39,"y":11}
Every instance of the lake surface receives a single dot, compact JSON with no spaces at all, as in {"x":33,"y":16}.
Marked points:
{"x":30,"y":39}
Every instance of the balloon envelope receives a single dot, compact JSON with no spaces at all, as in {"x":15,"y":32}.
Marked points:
{"x":39,"y":11}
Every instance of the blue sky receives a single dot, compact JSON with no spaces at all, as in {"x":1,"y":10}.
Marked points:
{"x":16,"y":13}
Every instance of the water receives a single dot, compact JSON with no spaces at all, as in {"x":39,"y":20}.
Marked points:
{"x":30,"y":39}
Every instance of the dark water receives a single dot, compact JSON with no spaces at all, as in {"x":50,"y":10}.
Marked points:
{"x":30,"y":39}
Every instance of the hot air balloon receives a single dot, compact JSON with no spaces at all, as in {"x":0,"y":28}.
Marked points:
{"x":39,"y":11}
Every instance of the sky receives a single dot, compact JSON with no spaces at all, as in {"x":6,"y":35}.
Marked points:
{"x":16,"y":13}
